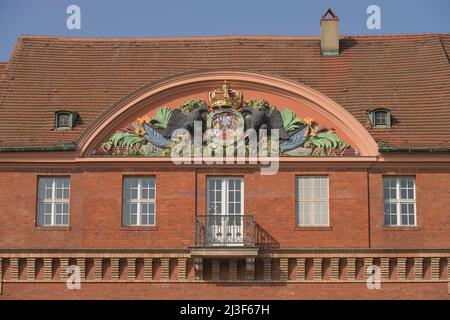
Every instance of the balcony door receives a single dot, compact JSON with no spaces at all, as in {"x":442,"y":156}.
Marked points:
{"x":225,"y":210}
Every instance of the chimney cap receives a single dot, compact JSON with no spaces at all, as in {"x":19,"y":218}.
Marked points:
{"x":329,"y":15}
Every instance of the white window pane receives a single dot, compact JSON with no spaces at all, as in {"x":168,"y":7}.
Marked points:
{"x":307,"y":219}
{"x":47,"y":220}
{"x":411,"y":183}
{"x":403,"y":193}
{"x":40,"y":218}
{"x":410,"y":193}
{"x":138,"y":193}
{"x":312,"y":200}
{"x":317,"y":193}
{"x":394,"y":220}
{"x":403,"y":208}
{"x":404,"y":219}
{"x":403,"y":182}
{"x":317,"y":219}
{"x":307,"y":207}
{"x":393,"y":194}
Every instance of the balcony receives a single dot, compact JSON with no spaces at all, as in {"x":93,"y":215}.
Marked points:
{"x":225,"y":230}
{"x":225,"y":236}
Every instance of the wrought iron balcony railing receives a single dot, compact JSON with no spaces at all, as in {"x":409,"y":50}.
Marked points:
{"x":225,"y":230}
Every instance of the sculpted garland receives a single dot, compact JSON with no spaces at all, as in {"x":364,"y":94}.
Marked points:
{"x":226,"y":120}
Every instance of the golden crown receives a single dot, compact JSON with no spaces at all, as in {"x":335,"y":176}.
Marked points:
{"x":225,"y":97}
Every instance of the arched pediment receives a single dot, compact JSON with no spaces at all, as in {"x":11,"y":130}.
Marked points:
{"x":298,"y":100}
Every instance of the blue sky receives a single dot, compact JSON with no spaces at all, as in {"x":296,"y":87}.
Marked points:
{"x":150,"y":18}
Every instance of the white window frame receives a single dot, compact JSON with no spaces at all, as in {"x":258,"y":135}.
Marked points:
{"x":53,"y":201}
{"x":398,"y":201}
{"x":385,"y":116}
{"x":224,"y":180}
{"x":312,"y":200}
{"x":138,"y":201}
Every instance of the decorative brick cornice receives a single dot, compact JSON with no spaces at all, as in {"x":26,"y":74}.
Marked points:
{"x":148,"y":268}
{"x":250,"y":268}
{"x":115,"y":268}
{"x":31,"y":269}
{"x":401,"y":268}
{"x":267,"y":269}
{"x":182,"y":268}
{"x":334,"y":265}
{"x":284,"y":269}
{"x":165,"y":268}
{"x":385,"y":268}
{"x":301,"y":268}
{"x":216,"y":270}
{"x":418,"y":268}
{"x":98,"y":268}
{"x":232,"y":268}
{"x":131,"y":268}
{"x":317,"y":265}
{"x":14,"y":265}
{"x":368,"y":262}
{"x":64,"y":264}
{"x":435,"y":266}
{"x":351,"y":268}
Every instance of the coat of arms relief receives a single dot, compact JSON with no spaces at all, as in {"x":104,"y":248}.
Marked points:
{"x":224,"y":121}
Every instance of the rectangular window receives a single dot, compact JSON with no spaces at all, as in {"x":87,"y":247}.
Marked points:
{"x":53,"y":201}
{"x":399,"y":194}
{"x":312,"y":201}
{"x":139,"y":195}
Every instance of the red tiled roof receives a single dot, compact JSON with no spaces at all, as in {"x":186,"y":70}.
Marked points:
{"x":2,"y":69}
{"x":408,"y":74}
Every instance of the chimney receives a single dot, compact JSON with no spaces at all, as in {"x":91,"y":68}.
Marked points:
{"x":329,"y":34}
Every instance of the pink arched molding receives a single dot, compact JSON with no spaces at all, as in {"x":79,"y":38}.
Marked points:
{"x":137,"y":103}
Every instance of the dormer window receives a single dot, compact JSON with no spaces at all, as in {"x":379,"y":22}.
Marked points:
{"x":65,"y":120}
{"x":380,"y":118}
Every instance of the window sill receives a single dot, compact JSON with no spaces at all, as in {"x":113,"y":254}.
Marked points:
{"x":401,"y":228}
{"x":313,"y":228}
{"x":51,"y":228}
{"x":139,"y":228}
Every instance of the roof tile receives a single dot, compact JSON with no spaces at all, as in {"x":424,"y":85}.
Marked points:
{"x":408,"y":74}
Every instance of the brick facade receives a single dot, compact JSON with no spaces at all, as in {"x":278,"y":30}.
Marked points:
{"x":276,"y":258}
{"x":355,"y":232}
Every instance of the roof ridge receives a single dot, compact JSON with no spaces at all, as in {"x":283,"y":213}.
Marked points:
{"x":228,"y":37}
{"x":174,"y":38}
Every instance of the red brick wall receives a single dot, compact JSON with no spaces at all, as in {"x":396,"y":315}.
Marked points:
{"x":271,"y":199}
{"x":433,"y":211}
{"x":96,"y":213}
{"x":225,"y":291}
{"x":95,"y":217}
